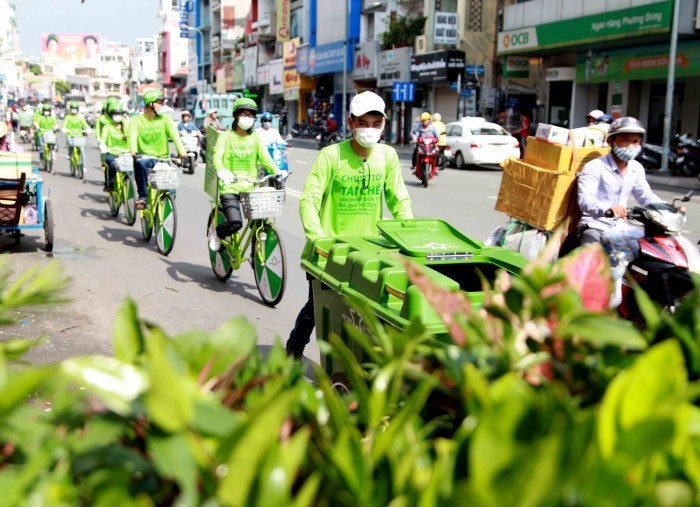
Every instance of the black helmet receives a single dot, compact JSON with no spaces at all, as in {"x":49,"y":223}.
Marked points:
{"x":626,"y":125}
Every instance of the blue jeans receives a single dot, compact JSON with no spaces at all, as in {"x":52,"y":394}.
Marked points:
{"x":111,"y":169}
{"x":141,"y":167}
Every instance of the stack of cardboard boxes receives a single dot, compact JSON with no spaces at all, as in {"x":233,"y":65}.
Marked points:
{"x":540,"y":190}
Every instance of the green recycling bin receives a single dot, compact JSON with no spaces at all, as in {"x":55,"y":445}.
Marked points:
{"x":368,"y":268}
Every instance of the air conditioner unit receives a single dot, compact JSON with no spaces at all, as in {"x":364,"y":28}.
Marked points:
{"x":421,"y":45}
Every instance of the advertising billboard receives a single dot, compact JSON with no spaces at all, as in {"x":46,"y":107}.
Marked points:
{"x":289,"y":56}
{"x":78,"y":48}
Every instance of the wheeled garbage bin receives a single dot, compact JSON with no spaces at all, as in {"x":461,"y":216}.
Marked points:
{"x":367,"y":268}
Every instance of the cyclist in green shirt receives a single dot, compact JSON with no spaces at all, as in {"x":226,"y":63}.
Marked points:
{"x":149,"y":133}
{"x":74,"y":125}
{"x":345,"y":190}
{"x":239,"y":151}
{"x":114,"y":141}
{"x":46,"y":123}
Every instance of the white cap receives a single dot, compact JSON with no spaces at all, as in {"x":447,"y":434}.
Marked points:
{"x":364,"y":102}
{"x":212,"y":111}
{"x":596,"y":114}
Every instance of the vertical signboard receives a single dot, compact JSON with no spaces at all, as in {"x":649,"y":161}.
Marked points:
{"x":250,"y":58}
{"x":277,"y":77}
{"x":289,"y":56}
{"x":445,"y":28}
{"x":365,"y":65}
{"x":283,"y":20}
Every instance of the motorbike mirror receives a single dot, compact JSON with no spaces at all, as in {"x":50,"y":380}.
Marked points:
{"x":685,"y":198}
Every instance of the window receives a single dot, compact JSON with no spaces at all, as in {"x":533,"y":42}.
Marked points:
{"x":454,"y":130}
{"x":489,"y":131}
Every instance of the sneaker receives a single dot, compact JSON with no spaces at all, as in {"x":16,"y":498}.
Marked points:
{"x":214,"y":242}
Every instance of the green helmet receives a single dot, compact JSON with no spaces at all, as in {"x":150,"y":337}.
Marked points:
{"x":245,"y":103}
{"x":151,"y":96}
{"x":115,"y":107}
{"x":73,"y":105}
{"x":46,"y":107}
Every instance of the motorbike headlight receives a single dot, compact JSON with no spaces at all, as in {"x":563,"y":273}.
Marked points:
{"x":672,"y":221}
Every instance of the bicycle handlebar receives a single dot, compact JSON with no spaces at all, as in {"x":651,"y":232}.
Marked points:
{"x":229,"y":177}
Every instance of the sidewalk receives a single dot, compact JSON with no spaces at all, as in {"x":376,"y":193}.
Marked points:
{"x":657,"y":181}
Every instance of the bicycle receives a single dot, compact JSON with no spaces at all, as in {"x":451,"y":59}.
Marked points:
{"x":267,"y":256}
{"x":123,"y":188}
{"x":77,"y":156}
{"x":161,"y":215}
{"x":50,"y":146}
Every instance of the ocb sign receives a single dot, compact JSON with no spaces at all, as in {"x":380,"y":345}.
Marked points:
{"x":516,"y":40}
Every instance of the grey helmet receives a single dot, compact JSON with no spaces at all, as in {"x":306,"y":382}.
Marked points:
{"x":626,"y":125}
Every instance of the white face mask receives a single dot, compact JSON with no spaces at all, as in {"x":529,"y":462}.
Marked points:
{"x":368,"y":137}
{"x":245,"y":122}
{"x":266,"y":124}
{"x":117,"y":118}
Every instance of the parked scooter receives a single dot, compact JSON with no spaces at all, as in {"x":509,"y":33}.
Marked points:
{"x":688,"y":156}
{"x":426,"y":161}
{"x":191,"y":142}
{"x":323,"y":138}
{"x":651,"y":155}
{"x":660,"y":261}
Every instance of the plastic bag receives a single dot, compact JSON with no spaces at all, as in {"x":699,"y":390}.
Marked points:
{"x":622,"y":245}
{"x":519,"y":237}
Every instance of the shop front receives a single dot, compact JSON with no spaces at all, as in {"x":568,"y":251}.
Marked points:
{"x":394,"y":65}
{"x":325,"y":64}
{"x":438,"y":76}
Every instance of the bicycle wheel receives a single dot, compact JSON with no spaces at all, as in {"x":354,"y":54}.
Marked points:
{"x":220,"y":260}
{"x":146,"y":225}
{"x":114,"y":201}
{"x":129,"y":200}
{"x":80,"y":166}
{"x":269,"y":264}
{"x":165,"y":224}
{"x":48,"y":226}
{"x":71,"y":162}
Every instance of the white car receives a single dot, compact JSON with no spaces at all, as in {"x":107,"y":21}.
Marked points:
{"x":474,"y":141}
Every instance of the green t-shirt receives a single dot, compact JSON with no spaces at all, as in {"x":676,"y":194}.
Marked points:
{"x":343,"y":194}
{"x":116,"y":138}
{"x":150,"y":137}
{"x":241,"y":156}
{"x":100,"y":123}
{"x":74,"y":125}
{"x":47,"y":123}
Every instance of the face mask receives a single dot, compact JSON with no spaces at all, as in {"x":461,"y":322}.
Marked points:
{"x":245,"y":122}
{"x":117,"y":118}
{"x":74,"y":111}
{"x":266,"y":124}
{"x":47,"y":113}
{"x":627,"y":153}
{"x":368,"y":137}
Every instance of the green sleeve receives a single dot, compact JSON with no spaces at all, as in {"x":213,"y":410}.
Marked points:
{"x":98,"y":126}
{"x":175,"y":136}
{"x":133,"y":136}
{"x":313,"y":193}
{"x":395,"y":193}
{"x":265,"y":158}
{"x":84,"y":123}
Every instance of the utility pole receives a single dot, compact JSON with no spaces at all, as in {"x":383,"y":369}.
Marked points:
{"x":669,"y":88}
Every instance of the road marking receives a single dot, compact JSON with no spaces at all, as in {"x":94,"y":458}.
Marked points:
{"x":492,"y":197}
{"x":293,"y":192}
{"x":301,"y":161}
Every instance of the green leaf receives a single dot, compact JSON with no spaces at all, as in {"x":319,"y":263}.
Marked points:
{"x":212,"y":419}
{"x":602,"y":331}
{"x":128,"y":337}
{"x":21,"y":385}
{"x":115,"y":383}
{"x":174,"y":459}
{"x":308,"y":494}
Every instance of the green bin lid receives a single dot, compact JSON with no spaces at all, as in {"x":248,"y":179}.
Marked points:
{"x":428,"y":238}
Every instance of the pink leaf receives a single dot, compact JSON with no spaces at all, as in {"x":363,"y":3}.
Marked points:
{"x":445,"y":302}
{"x":588,"y":272}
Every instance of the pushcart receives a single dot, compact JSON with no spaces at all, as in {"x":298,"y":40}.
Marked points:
{"x":25,"y":205}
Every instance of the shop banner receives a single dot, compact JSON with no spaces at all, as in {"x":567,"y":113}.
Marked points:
{"x":289,"y":56}
{"x":277,"y":77}
{"x":394,"y":65}
{"x":365,"y":66}
{"x":649,"y":62}
{"x":438,"y":66}
{"x":620,"y":24}
{"x":76,"y":48}
{"x":516,"y":66}
{"x":328,"y":58}
{"x":445,"y":28}
{"x":283,"y":20}
{"x":250,"y":68}
{"x":303,"y":59}
{"x":264,"y":75}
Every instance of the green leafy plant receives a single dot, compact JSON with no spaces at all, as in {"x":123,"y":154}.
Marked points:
{"x":402,"y":31}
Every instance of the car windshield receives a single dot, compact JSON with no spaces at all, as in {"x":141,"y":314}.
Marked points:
{"x":489,"y":131}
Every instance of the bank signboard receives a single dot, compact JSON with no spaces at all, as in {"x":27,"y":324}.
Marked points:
{"x":648,"y":62}
{"x":327,"y":58}
{"x":437,"y":66}
{"x":394,"y":65}
{"x":620,"y":24}
{"x":516,"y":66}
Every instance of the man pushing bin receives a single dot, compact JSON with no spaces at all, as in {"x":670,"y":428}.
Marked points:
{"x":344,"y":193}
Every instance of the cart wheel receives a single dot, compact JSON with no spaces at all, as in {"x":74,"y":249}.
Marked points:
{"x":269,"y":264}
{"x":221,"y":260}
{"x":165,"y":224}
{"x":341,"y":383}
{"x":129,"y":200}
{"x":146,"y":225}
{"x":48,"y":226}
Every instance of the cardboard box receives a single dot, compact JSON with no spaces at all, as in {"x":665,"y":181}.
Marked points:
{"x":539,"y":197}
{"x":552,"y":133}
{"x":546,"y":155}
{"x":581,"y":156}
{"x":13,"y":164}
{"x":588,"y":137}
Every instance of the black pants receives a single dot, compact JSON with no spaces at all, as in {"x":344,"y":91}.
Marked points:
{"x":303,"y":326}
{"x":111,"y":172}
{"x":231,"y":206}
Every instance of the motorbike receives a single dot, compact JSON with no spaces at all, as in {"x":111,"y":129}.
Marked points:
{"x":191,"y":142}
{"x":426,"y":161}
{"x":279,"y":157}
{"x":651,"y":155}
{"x":26,"y":135}
{"x":688,"y":156}
{"x":659,"y":259}
{"x":323,"y":138}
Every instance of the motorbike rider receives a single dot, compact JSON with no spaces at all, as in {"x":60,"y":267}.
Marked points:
{"x":212,"y":120}
{"x":268,"y":133}
{"x":74,"y":125}
{"x":187,"y":125}
{"x":239,"y":152}
{"x":114,"y":141}
{"x":422,"y":129}
{"x":441,"y":129}
{"x":149,"y":133}
{"x":345,"y":190}
{"x":607,"y":182}
{"x":46,"y":123}
{"x":25,"y":117}
{"x":331,"y":126}
{"x":593,"y":117}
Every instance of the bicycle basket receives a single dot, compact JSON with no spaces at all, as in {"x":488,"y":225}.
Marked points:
{"x":262,"y":203}
{"x":164,"y":179}
{"x":80,"y":142}
{"x":49,"y":138}
{"x":125,"y":163}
